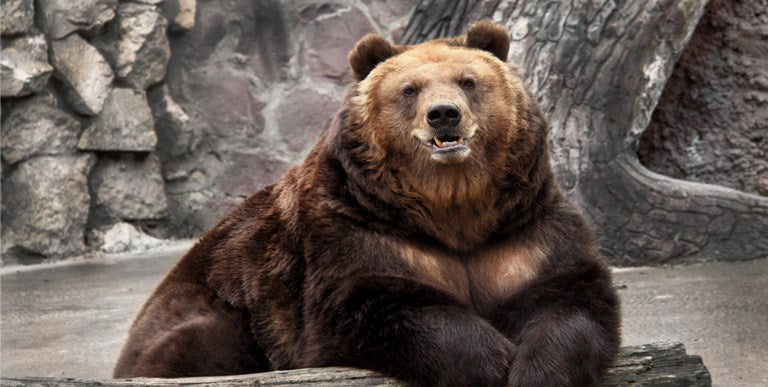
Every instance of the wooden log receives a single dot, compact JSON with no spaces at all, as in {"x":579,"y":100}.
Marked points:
{"x":658,"y":364}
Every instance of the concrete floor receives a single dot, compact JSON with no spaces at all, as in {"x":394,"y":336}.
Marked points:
{"x":70,"y":320}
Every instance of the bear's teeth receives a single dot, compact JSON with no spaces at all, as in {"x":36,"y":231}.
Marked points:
{"x":443,"y":144}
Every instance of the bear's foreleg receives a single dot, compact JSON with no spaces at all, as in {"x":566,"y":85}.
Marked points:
{"x":186,"y":330}
{"x":405,"y":329}
{"x":566,"y":329}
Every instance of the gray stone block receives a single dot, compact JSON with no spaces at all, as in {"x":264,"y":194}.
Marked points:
{"x":329,"y":38}
{"x":84,"y":71}
{"x":124,"y":124}
{"x":302,"y":116}
{"x":16,"y":16}
{"x":24,"y":66}
{"x":38,"y":127}
{"x":129,"y":187}
{"x":138,"y":45}
{"x":46,"y":204}
{"x":59,"y":18}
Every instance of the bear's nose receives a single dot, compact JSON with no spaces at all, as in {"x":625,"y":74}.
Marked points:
{"x":443,"y":116}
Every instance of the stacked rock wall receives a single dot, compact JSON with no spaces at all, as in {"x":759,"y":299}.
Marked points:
{"x":161,"y":114}
{"x":79,"y":139}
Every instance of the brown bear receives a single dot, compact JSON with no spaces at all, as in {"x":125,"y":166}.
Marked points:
{"x":423,"y":237}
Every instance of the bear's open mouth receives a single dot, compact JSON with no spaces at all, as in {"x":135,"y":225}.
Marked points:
{"x":447,"y":141}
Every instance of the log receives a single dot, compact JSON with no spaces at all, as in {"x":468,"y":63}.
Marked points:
{"x":658,"y":364}
{"x":598,"y":68}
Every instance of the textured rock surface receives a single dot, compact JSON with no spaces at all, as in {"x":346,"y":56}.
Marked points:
{"x":16,"y":16}
{"x":123,"y":237}
{"x":180,"y":14}
{"x":84,"y":71}
{"x":127,"y":186}
{"x":45,"y":202}
{"x":24,"y":66}
{"x":175,"y":136}
{"x":138,"y":44}
{"x":302,"y":116}
{"x":229,"y":105}
{"x":390,"y":15}
{"x":711,"y":124}
{"x":331,"y":33}
{"x":124,"y":124}
{"x":59,"y":18}
{"x":249,"y":172}
{"x":38,"y":127}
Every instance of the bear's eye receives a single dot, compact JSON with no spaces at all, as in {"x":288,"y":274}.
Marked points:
{"x":467,"y":84}
{"x":409,"y":92}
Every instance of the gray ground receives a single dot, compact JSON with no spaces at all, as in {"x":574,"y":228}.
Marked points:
{"x":70,"y":319}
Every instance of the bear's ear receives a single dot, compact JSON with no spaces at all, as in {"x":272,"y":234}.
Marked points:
{"x":369,"y":51}
{"x":487,"y":36}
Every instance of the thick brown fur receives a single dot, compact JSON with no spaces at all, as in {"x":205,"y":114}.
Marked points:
{"x":375,"y":253}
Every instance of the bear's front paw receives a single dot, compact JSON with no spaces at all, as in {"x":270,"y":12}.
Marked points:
{"x":485,"y":361}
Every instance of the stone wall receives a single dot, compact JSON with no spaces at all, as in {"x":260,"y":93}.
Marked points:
{"x":79,"y":146}
{"x":161,"y":114}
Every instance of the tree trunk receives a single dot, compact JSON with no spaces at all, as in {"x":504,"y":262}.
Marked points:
{"x":598,"y":68}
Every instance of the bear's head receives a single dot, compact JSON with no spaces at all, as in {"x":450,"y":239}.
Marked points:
{"x":447,"y":121}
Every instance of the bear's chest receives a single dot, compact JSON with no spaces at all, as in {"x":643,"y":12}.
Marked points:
{"x":484,"y":278}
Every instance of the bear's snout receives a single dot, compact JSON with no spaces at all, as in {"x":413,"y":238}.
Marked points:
{"x":443,"y":116}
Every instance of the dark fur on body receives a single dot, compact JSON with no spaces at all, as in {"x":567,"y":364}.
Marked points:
{"x":361,"y":257}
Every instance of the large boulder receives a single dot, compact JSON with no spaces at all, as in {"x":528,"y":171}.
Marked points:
{"x":124,"y":124}
{"x":60,"y":18}
{"x":84,"y":71}
{"x":38,"y":127}
{"x":138,"y":44}
{"x":129,"y":187}
{"x":24,"y":66}
{"x":46,"y":203}
{"x":16,"y":16}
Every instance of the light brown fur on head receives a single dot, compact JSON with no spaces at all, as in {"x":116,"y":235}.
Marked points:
{"x":388,"y":112}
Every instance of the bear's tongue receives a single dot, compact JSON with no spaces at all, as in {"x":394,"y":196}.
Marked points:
{"x":448,"y":141}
